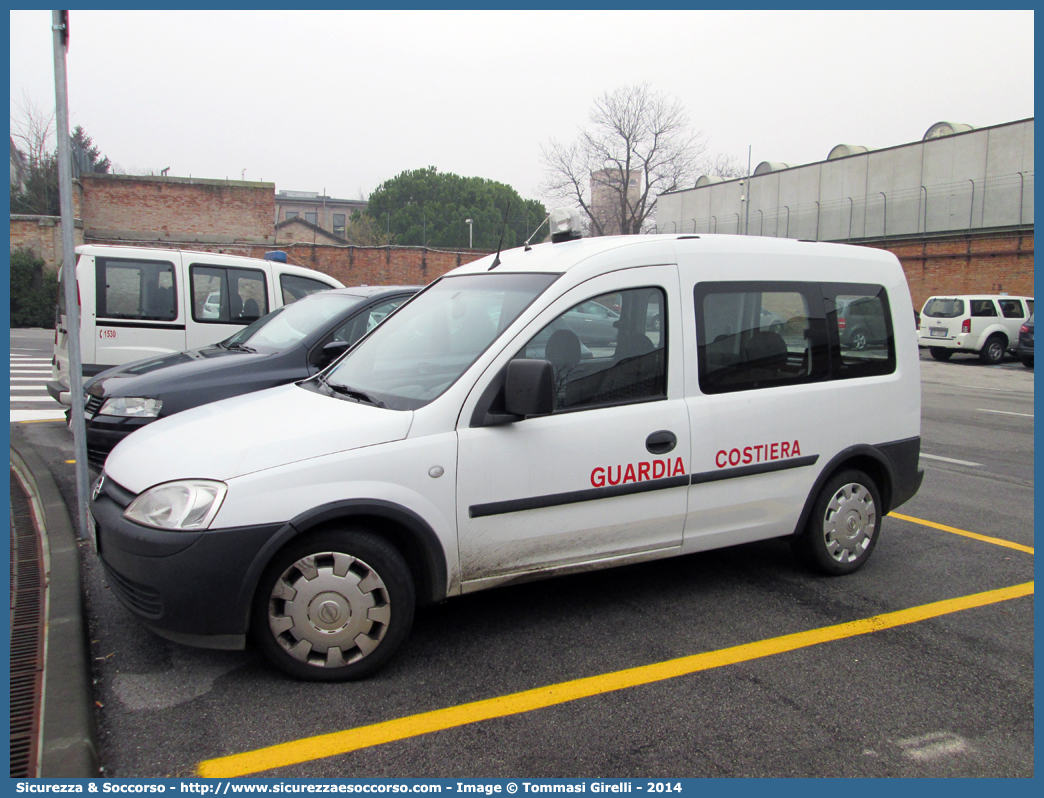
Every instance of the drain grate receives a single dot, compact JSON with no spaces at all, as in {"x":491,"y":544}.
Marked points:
{"x":27,"y":619}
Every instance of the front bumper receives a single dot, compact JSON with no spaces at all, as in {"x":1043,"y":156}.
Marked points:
{"x":190,"y":587}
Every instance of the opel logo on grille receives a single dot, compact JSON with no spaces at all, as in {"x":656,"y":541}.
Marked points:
{"x":97,"y":489}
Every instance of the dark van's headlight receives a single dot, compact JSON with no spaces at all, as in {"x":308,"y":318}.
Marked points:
{"x":186,"y":505}
{"x":131,"y":407}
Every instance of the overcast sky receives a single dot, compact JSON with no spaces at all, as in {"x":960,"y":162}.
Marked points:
{"x":343,"y":100}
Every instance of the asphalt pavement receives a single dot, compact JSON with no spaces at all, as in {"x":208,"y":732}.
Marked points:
{"x":980,"y":460}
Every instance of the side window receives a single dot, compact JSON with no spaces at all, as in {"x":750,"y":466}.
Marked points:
{"x":983,"y":307}
{"x":759,"y":335}
{"x":130,"y":289}
{"x":294,"y":287}
{"x":1029,"y":303}
{"x":608,"y":350}
{"x":866,"y":343}
{"x":226,"y":295}
{"x":1011,"y":308}
{"x":357,"y":326}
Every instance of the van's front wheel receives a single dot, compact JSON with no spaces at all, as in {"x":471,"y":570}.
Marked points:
{"x":334,"y":606}
{"x":843,"y":527}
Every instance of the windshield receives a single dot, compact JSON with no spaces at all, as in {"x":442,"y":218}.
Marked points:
{"x":285,"y":326}
{"x":940,"y":308}
{"x":420,"y":351}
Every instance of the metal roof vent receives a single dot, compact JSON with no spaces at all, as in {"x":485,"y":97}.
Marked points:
{"x":844,"y":150}
{"x":707,"y":180}
{"x":940,"y":129}
{"x":770,"y":166}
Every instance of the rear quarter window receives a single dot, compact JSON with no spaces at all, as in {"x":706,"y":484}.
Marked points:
{"x":983,"y":308}
{"x":861,"y":318}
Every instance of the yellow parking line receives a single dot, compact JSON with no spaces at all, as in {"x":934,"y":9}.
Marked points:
{"x":40,"y":420}
{"x":965,"y":533}
{"x":343,"y":742}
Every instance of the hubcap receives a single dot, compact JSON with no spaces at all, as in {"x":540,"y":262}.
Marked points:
{"x":329,"y":609}
{"x":849,"y":523}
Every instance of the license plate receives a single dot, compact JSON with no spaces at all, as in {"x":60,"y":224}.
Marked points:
{"x":938,"y":332}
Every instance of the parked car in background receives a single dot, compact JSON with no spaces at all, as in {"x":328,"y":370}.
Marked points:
{"x":862,"y":323}
{"x":1025,"y":347}
{"x":139,"y":302}
{"x":289,"y":344}
{"x":986,"y":325}
{"x":212,"y":306}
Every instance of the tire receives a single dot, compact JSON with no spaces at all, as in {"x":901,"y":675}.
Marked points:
{"x":993,"y":352}
{"x":844,"y":525}
{"x":358,"y":606}
{"x":939,"y":353}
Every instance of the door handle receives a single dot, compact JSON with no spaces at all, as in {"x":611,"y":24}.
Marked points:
{"x":661,"y":442}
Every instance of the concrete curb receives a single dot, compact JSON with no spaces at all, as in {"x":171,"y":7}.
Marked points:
{"x":68,"y":747}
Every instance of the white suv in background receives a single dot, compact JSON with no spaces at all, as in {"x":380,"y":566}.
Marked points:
{"x":987,"y":325}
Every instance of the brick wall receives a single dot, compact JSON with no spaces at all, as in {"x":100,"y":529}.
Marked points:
{"x":43,"y":236}
{"x":132,"y":208}
{"x":989,"y":263}
{"x":376,"y":265}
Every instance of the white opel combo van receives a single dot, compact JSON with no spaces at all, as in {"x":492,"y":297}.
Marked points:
{"x":494,"y":430}
{"x":140,"y":302}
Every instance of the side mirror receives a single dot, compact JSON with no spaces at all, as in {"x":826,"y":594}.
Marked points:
{"x":331,"y":352}
{"x":529,"y":388}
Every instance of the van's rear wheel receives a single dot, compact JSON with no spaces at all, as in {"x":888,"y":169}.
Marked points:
{"x":939,"y":353}
{"x":335,"y":606}
{"x":843,"y":527}
{"x":993,"y":352}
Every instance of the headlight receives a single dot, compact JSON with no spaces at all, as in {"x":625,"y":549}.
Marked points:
{"x":188,"y":504}
{"x":131,"y":406}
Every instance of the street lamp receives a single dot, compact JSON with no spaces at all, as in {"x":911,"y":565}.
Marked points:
{"x":469,"y":223}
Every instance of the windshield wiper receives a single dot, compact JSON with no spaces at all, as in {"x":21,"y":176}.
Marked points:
{"x":240,"y":347}
{"x":351,"y":393}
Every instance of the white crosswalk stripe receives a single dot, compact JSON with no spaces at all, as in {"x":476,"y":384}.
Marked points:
{"x":28,"y":390}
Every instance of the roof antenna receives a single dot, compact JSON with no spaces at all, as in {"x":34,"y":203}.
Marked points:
{"x":527,"y":247}
{"x":496,"y":260}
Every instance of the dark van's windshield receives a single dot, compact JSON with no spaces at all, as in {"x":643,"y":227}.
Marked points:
{"x":421,"y":350}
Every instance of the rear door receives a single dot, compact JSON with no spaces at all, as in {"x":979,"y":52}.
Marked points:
{"x":138,"y":308}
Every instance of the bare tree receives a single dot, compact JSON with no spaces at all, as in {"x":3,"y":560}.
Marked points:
{"x":32,"y":131}
{"x":727,"y":166}
{"x":639,"y":145}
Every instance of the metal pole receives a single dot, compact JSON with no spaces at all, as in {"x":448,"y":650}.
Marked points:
{"x":925,"y":208}
{"x":817,"y":219}
{"x":885,"y":231}
{"x":746,"y":221}
{"x":787,"y":235}
{"x":851,"y":213}
{"x":72,"y":303}
{"x":971,"y":210}
{"x":1022,"y":191}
